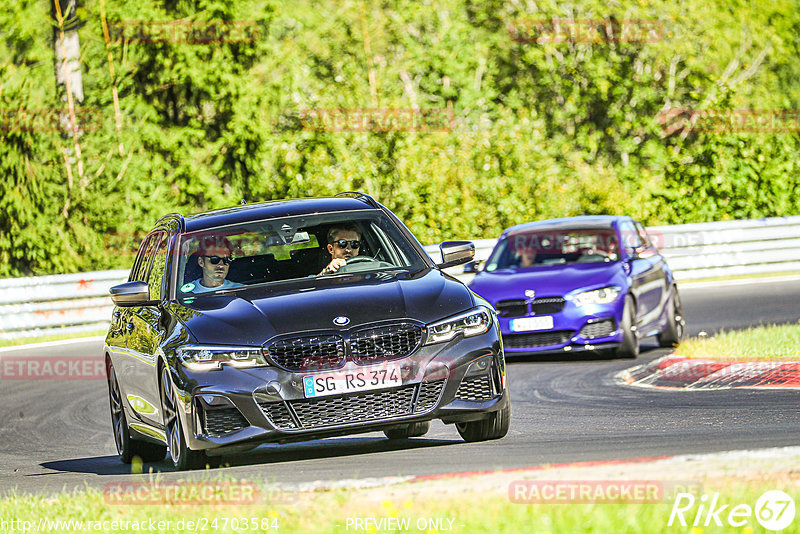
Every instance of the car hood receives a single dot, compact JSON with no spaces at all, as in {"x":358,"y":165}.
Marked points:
{"x":556,"y":280}
{"x":254,"y":315}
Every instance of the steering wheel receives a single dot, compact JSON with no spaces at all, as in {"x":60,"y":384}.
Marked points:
{"x":360,"y":259}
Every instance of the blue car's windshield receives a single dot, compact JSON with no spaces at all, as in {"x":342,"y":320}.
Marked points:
{"x":522,"y":250}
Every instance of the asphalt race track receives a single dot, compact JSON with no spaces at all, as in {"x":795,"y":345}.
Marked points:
{"x":56,"y":435}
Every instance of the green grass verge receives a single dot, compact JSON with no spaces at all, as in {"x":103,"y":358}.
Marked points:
{"x":334,"y":512}
{"x":771,"y":342}
{"x":53,"y":337}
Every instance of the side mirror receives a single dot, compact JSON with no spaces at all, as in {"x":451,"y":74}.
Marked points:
{"x":455,"y":253}
{"x":131,"y":294}
{"x":473,"y":267}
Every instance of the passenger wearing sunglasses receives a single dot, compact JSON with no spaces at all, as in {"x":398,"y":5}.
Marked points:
{"x":344,"y":242}
{"x":214,"y":261}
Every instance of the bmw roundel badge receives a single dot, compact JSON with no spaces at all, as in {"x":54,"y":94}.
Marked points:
{"x":341,"y":321}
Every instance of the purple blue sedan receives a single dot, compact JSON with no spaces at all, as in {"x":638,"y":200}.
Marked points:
{"x":580,"y":283}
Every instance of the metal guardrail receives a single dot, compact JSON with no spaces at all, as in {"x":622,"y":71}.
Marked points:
{"x":43,"y":305}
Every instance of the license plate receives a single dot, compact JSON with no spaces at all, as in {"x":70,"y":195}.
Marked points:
{"x":524,"y":324}
{"x":349,"y":381}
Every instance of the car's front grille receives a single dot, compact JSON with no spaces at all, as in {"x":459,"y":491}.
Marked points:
{"x":536,"y":339}
{"x":362,"y":407}
{"x":308,"y":353}
{"x":512,"y":308}
{"x":278,"y":414}
{"x":357,"y":408}
{"x":546,"y":305}
{"x":387,"y":342}
{"x":218,"y":422}
{"x":476,"y":388}
{"x":598,"y":329}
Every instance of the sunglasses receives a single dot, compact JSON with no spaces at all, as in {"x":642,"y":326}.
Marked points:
{"x":216,"y":259}
{"x":342,"y":243}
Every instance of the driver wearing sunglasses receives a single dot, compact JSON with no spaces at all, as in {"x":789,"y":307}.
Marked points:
{"x":344,"y":242}
{"x":214,"y":260}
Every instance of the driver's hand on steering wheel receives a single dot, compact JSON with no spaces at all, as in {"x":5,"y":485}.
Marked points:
{"x":333,"y":266}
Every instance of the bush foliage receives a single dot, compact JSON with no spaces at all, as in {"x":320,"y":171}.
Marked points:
{"x":538,"y":130}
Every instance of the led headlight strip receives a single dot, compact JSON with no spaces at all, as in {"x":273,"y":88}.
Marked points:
{"x":472,"y":323}
{"x":205,"y":358}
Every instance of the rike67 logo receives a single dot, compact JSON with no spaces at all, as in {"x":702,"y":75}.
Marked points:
{"x":774,"y":510}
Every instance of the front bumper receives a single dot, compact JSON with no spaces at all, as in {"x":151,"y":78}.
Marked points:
{"x":232,"y":409}
{"x":575,"y":329}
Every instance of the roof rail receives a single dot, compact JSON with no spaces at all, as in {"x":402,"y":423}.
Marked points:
{"x":361,"y":196}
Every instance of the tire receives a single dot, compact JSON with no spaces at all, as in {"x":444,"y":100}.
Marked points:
{"x":673,"y":331}
{"x":181,"y":456}
{"x":127,"y":447}
{"x":493,"y":427}
{"x":630,"y":337}
{"x":411,"y":430}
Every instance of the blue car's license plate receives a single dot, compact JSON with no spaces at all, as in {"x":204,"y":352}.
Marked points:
{"x":525,"y":324}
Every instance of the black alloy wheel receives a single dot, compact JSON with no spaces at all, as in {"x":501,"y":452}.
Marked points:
{"x":180,"y":454}
{"x":127,"y":447}
{"x":495,"y":426}
{"x":411,"y":430}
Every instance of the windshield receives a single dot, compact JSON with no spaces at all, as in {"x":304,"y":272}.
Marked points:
{"x":291,"y":248}
{"x":532,"y":249}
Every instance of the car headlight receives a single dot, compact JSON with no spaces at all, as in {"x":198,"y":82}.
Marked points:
{"x":208,"y":358}
{"x":604,"y":295}
{"x":472,"y":323}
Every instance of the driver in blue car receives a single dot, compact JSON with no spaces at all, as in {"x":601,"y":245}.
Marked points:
{"x":344,"y":242}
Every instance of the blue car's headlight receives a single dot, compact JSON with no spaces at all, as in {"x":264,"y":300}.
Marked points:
{"x":472,"y":323}
{"x":205,"y":358}
{"x":604,"y":295}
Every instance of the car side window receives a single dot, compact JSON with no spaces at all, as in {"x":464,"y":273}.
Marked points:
{"x":630,"y":237}
{"x":158,"y":266}
{"x":140,"y":266}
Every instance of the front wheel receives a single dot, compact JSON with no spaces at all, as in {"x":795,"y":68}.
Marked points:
{"x":411,"y":430}
{"x":127,"y":447}
{"x":493,"y":427}
{"x":673,"y":331}
{"x":182,"y":456}
{"x":630,"y":337}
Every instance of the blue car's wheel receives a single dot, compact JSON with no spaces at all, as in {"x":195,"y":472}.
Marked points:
{"x":179,"y":452}
{"x":630,"y":337}
{"x":673,"y":331}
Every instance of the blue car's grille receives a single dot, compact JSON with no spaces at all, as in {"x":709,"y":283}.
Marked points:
{"x":546,"y":305}
{"x":520,"y":307}
{"x":512,"y":308}
{"x":536,"y":339}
